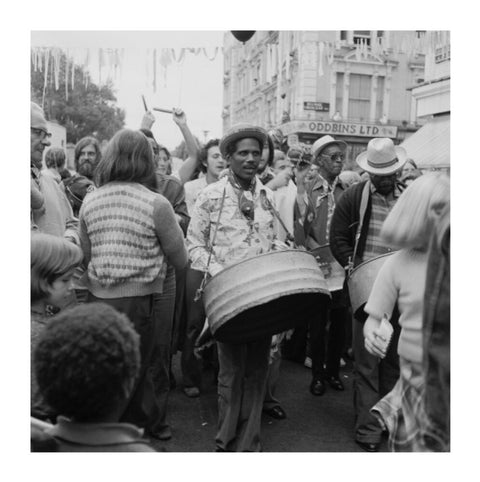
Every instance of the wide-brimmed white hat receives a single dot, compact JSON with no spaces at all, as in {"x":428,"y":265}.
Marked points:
{"x":242,"y":131}
{"x":382,"y":157}
{"x":323,"y":142}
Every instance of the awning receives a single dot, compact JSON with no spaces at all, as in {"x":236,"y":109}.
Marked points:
{"x":429,"y":147}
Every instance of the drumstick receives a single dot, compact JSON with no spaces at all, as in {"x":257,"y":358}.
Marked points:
{"x":167,"y":111}
{"x":144,"y":104}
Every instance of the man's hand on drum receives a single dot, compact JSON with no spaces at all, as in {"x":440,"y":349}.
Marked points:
{"x":374,"y":343}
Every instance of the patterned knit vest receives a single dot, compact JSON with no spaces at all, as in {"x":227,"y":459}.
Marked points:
{"x":124,"y":245}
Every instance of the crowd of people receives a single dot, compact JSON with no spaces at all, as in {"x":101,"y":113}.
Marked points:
{"x":121,"y":250}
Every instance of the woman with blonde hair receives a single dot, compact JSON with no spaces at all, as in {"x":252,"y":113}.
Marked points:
{"x":401,"y":282}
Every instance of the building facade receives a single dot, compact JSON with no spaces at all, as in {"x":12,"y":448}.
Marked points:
{"x":430,"y":145}
{"x":352,"y":84}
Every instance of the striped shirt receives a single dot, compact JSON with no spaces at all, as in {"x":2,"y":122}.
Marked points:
{"x":381,"y":206}
{"x":126,"y":231}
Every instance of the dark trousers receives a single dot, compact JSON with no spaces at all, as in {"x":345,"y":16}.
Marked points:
{"x":141,"y":406}
{"x":195,"y":314}
{"x":159,"y":368}
{"x":373,"y":379}
{"x":241,"y":390}
{"x":326,"y":339}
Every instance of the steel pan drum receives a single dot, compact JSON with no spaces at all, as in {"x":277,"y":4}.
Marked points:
{"x":332,"y":270}
{"x":264,"y":295}
{"x":360,"y":282}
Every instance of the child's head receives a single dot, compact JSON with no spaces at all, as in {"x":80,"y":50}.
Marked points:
{"x":281,"y":162}
{"x":412,"y":219}
{"x":86,"y":362}
{"x":55,"y":158}
{"x":52,"y":261}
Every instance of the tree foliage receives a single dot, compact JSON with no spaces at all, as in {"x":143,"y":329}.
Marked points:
{"x":89,"y":110}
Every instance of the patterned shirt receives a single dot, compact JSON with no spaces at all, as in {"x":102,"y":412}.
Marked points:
{"x":381,"y":206}
{"x":237,"y":237}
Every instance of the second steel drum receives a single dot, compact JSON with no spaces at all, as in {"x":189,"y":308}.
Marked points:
{"x":264,"y":295}
{"x":361,"y":279}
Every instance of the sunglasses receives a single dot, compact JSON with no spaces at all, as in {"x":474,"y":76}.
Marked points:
{"x":41,"y":133}
{"x":336,"y":156}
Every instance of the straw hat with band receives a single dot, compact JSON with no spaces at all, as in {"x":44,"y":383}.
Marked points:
{"x":242,"y":131}
{"x":382,"y":158}
{"x":323,"y":142}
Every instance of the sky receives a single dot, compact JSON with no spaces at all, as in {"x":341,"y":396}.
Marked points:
{"x":195,"y":84}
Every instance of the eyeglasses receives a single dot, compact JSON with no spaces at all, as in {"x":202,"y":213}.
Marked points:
{"x":41,"y":133}
{"x":336,"y":156}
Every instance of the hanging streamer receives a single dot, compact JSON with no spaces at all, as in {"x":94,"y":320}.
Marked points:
{"x":210,"y":57}
{"x":66,"y":75}
{"x":47,"y":54}
{"x":154,"y":70}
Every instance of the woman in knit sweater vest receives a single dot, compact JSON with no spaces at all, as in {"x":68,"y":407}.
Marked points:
{"x":401,"y":280}
{"x":128,"y":232}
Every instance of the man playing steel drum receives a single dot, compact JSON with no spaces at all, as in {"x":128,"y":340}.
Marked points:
{"x":231,"y":222}
{"x":355,"y":238}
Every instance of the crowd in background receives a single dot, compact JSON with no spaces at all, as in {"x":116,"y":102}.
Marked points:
{"x":122,"y":246}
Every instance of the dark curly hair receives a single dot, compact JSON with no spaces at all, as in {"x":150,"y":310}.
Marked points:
{"x":86,"y":361}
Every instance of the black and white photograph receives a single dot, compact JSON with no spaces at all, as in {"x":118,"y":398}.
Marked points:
{"x":239,"y":242}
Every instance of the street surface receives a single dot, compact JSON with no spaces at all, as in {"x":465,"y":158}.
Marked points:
{"x":313,"y":424}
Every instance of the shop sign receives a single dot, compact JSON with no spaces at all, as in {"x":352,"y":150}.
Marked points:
{"x":340,"y":129}
{"x":317,"y":106}
{"x":442,"y":54}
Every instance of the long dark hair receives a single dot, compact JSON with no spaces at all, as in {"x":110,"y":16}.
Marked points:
{"x":128,"y":157}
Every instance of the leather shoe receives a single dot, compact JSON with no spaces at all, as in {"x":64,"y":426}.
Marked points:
{"x":164,"y":433}
{"x":317,"y":387}
{"x":276,"y":412}
{"x":368,"y":446}
{"x":191,"y":392}
{"x":336,"y":383}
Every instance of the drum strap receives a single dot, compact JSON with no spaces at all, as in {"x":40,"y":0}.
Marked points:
{"x":363,"y":210}
{"x":267,"y":201}
{"x":199,"y":292}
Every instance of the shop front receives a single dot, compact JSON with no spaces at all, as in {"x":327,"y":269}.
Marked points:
{"x":356,"y":135}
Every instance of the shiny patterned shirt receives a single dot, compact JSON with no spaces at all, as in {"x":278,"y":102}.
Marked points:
{"x":237,"y":237}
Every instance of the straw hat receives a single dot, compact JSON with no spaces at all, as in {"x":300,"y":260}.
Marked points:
{"x":323,"y":142}
{"x":382,"y":158}
{"x":242,"y":131}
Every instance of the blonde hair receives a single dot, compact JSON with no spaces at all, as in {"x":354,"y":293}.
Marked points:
{"x":410,"y":222}
{"x":50,"y":258}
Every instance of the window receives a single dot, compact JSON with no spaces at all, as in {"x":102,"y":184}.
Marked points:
{"x":380,"y":88}
{"x":339,"y":93}
{"x":343,"y":35}
{"x":361,"y":36}
{"x":359,"y":96}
